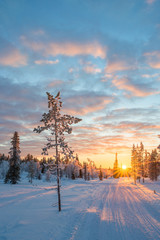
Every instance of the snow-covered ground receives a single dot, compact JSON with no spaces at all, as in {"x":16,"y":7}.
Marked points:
{"x":113,"y":209}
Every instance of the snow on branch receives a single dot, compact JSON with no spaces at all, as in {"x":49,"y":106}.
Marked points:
{"x":57,"y":124}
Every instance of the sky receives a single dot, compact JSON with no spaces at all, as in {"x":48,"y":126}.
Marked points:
{"x":104,"y":58}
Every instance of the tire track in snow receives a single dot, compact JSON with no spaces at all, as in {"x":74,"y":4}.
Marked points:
{"x":118,"y":213}
{"x":90,"y":216}
{"x":142,"y":221}
{"x":149,"y":224}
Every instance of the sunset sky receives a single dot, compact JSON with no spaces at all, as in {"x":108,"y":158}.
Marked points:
{"x":104,"y":57}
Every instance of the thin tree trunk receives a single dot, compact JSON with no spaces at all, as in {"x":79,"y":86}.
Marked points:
{"x":135,"y":175}
{"x":57,"y":159}
{"x":155,"y":170}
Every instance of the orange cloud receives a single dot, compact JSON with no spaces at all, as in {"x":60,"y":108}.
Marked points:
{"x":66,"y":48}
{"x":118,"y":66}
{"x":13,"y":58}
{"x":86,"y":104}
{"x":92,"y":69}
{"x":55,"y":83}
{"x":124,"y":84}
{"x":39,"y":62}
{"x":153,"y":59}
{"x":138,"y":126}
{"x":71,"y":70}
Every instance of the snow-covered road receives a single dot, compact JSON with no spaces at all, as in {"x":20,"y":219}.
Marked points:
{"x":120,"y":210}
{"x":97,"y":210}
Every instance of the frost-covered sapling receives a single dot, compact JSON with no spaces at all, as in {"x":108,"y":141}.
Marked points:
{"x":31,"y":170}
{"x":58,"y":124}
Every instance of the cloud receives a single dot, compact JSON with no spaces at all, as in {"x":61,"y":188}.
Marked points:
{"x":12,"y":58}
{"x":10,"y":55}
{"x":140,"y":114}
{"x":153,"y":59}
{"x":86,"y":103}
{"x":55,"y":83}
{"x":118,"y":65}
{"x":39,"y":62}
{"x":137,"y":125}
{"x":92,"y":143}
{"x":135,"y":89}
{"x":131,"y":131}
{"x":21,"y":107}
{"x":151,"y":75}
{"x":150,"y":1}
{"x":92,"y":69}
{"x":71,"y":70}
{"x":66,"y":48}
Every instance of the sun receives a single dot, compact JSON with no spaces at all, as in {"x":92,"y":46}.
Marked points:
{"x":124,"y":167}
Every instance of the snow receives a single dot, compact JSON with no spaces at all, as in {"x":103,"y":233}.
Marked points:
{"x":98,"y":210}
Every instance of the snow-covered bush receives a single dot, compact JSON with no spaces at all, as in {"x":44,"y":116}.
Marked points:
{"x":4,"y":166}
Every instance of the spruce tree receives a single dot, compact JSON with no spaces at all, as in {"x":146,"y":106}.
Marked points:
{"x":153,"y":169}
{"x":116,"y":172}
{"x":13,"y":174}
{"x":134,"y":163}
{"x":100,"y":174}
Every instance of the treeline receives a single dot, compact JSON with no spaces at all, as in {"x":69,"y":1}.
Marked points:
{"x":145,"y":164}
{"x":45,"y":168}
{"x":12,"y":166}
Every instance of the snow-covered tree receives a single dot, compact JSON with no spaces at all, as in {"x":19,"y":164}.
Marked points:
{"x":3,"y":168}
{"x":29,"y":157}
{"x":100,"y":174}
{"x":48,"y":175}
{"x":116,"y":172}
{"x":146,"y":163}
{"x":153,"y":165}
{"x":85,"y":170}
{"x":138,"y":162}
{"x":31,"y":170}
{"x":58,"y":124}
{"x":134,"y":163}
{"x":13,"y":174}
{"x":37,"y":170}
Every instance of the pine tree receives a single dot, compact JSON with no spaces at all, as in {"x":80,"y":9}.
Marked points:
{"x":153,"y":166}
{"x":80,"y":173}
{"x":116,"y":172}
{"x":134,"y":163}
{"x":100,"y":174}
{"x":85,"y":170}
{"x":140,"y":163}
{"x":141,"y":153}
{"x":29,"y":157}
{"x":13,"y":174}
{"x":146,"y":163}
{"x":58,"y":124}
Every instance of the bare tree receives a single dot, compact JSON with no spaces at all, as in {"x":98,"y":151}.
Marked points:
{"x":58,"y":124}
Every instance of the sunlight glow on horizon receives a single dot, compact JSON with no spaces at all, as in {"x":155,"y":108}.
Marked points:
{"x":124,"y":167}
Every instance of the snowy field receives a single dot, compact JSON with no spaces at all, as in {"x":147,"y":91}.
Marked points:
{"x":113,"y":209}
